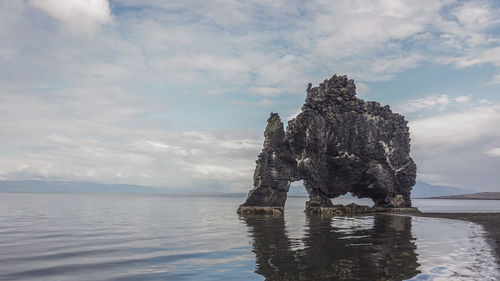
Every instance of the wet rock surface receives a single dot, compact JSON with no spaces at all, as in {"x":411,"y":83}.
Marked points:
{"x":261,"y":211}
{"x":354,"y":209}
{"x":337,"y":144}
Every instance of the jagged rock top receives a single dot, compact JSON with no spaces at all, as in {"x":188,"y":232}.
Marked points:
{"x":339,"y":94}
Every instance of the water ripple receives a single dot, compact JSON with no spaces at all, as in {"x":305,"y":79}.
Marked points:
{"x":120,"y":237}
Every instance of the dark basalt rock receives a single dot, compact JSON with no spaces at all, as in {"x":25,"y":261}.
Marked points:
{"x":337,"y":144}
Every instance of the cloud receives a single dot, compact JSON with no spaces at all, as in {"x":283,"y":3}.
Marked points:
{"x":461,"y":99}
{"x":431,"y":102}
{"x":475,"y":15}
{"x":287,"y":42}
{"x":89,"y":144}
{"x":458,"y":127}
{"x":449,"y":147}
{"x":362,"y":89}
{"x":293,"y":114}
{"x":490,"y":55}
{"x":495,"y":80}
{"x":494,"y":151}
{"x":267,"y":49}
{"x":76,"y":15}
{"x":266,"y":91}
{"x":143,"y":99}
{"x":265,"y":102}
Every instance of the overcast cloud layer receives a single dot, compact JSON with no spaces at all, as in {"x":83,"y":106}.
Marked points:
{"x":176,"y":93}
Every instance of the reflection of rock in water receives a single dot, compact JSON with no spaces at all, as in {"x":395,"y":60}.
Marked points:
{"x":356,"y":248}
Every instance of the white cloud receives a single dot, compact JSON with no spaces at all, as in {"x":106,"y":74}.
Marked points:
{"x":495,"y":80}
{"x":362,"y":89}
{"x":265,"y":102}
{"x":457,"y":127}
{"x":100,"y":136}
{"x":475,"y":15}
{"x":494,"y":151}
{"x":366,"y":41}
{"x":478,"y":57}
{"x":77,"y":15}
{"x":449,"y":148}
{"x":431,"y":102}
{"x":293,"y":114}
{"x":221,"y":64}
{"x":266,"y":91}
{"x":194,"y":43}
{"x":461,"y":99}
{"x":79,"y":107}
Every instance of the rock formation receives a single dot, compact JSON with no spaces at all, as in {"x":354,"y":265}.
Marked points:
{"x":337,"y":144}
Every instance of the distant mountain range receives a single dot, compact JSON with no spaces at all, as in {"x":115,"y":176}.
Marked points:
{"x":39,"y":186}
{"x":477,"y":196}
{"x":425,"y":190}
{"x":420,"y":190}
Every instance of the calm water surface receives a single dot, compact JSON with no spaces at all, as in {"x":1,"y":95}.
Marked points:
{"x":457,"y":206}
{"x":140,"y":237}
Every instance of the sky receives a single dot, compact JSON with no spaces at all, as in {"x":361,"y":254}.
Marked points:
{"x":176,"y":94}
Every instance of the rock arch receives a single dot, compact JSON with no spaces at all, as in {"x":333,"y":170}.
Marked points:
{"x":337,"y":144}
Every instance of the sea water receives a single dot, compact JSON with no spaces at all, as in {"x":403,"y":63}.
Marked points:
{"x":158,"y":237}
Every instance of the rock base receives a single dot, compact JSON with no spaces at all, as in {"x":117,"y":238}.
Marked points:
{"x":414,"y":210}
{"x":354,"y":209}
{"x":274,"y":211}
{"x":336,"y":210}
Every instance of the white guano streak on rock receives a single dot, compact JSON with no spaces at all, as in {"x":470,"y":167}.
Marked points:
{"x":388,"y":153}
